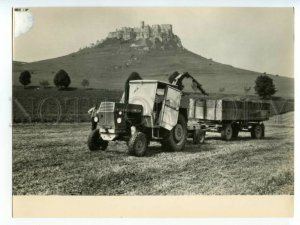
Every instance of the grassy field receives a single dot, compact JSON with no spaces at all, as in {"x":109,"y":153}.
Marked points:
{"x":51,"y":105}
{"x":54,"y":160}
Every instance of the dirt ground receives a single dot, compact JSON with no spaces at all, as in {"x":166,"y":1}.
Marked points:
{"x":54,"y":160}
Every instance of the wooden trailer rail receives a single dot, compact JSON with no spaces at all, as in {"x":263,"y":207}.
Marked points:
{"x":229,"y":117}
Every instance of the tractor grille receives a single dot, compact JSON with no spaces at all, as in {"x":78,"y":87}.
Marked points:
{"x":107,"y":107}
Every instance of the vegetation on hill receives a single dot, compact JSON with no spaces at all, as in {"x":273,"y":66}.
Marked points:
{"x":25,"y":78}
{"x":44,"y":83}
{"x":110,"y":65}
{"x":62,"y":79}
{"x":85,"y":83}
{"x":264,"y":86}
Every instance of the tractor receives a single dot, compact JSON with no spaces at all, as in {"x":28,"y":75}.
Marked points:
{"x":151,"y":112}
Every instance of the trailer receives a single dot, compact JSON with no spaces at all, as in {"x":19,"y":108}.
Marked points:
{"x":229,"y":116}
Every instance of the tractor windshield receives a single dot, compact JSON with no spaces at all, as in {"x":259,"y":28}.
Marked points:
{"x":143,"y":93}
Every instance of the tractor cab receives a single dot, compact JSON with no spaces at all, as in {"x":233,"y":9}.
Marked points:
{"x":160,"y":102}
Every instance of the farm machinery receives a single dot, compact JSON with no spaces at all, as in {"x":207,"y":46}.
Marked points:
{"x":152,"y":110}
{"x":229,"y":117}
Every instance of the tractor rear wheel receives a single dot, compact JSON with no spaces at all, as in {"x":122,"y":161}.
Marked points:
{"x":95,"y":142}
{"x":227,"y":132}
{"x":175,"y":139}
{"x":137,"y":144}
{"x":198,"y":136}
{"x":257,"y":131}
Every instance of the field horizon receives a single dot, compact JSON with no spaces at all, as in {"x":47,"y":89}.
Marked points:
{"x":36,"y":104}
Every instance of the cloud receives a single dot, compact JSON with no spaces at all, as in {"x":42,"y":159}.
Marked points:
{"x":23,"y":22}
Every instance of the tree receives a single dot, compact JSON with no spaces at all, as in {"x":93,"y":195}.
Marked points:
{"x":85,"y":83}
{"x":247,"y":89}
{"x":25,"y":78}
{"x":264,"y":86}
{"x":44,"y":83}
{"x":62,"y":79}
{"x":222,"y":89}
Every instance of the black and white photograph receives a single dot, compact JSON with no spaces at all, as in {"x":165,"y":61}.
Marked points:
{"x":152,"y":101}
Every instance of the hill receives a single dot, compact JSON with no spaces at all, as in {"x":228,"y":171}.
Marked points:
{"x":108,"y":63}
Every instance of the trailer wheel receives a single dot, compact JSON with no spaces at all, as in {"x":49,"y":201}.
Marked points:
{"x":175,"y":139}
{"x":263,"y":127}
{"x":198,"y":136}
{"x":95,"y":142}
{"x":227,"y":132}
{"x":235,"y":131}
{"x":257,"y":131}
{"x":137,"y":144}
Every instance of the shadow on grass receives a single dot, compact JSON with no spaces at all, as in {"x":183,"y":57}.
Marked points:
{"x":198,"y":148}
{"x":68,"y":89}
{"x":189,"y":148}
{"x":240,"y":139}
{"x":154,"y":150}
{"x":47,"y":88}
{"x":32,"y":87}
{"x":113,"y":153}
{"x":109,"y":153}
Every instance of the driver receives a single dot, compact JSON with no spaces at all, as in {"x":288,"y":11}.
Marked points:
{"x":92,"y":111}
{"x":158,"y":101}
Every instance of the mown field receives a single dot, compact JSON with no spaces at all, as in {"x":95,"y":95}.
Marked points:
{"x":54,"y":160}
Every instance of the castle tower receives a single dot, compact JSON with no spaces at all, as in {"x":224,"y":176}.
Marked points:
{"x":142,"y":24}
{"x":166,"y":28}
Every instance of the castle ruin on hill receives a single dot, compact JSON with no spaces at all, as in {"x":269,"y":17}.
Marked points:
{"x":157,"y":36}
{"x":161,"y":32}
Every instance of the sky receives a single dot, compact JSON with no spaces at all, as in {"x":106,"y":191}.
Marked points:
{"x":258,"y":39}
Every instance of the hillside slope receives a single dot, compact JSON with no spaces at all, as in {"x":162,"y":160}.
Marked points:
{"x":108,"y":65}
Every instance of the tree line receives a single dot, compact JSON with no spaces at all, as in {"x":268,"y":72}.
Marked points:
{"x":61,"y":80}
{"x":264,"y":86}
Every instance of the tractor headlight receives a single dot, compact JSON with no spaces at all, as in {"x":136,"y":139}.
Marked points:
{"x":96,"y":119}
{"x":120,"y":113}
{"x":119,"y":120}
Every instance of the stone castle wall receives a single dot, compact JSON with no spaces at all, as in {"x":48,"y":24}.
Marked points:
{"x":143,"y":32}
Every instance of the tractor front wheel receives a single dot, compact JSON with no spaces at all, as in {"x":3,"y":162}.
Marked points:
{"x":137,"y":144}
{"x":95,"y":142}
